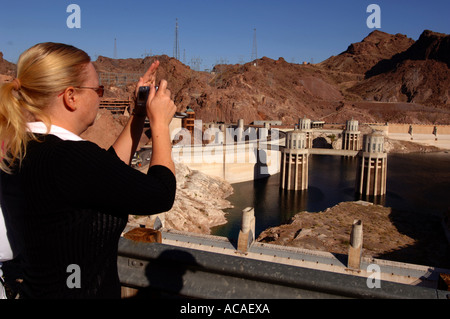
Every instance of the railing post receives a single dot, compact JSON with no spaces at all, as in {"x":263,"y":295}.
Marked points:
{"x":157,"y":221}
{"x":356,"y":243}
{"x":247,"y":232}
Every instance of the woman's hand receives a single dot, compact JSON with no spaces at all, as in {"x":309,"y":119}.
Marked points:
{"x":160,"y":112}
{"x":128,"y":141}
{"x":148,"y":79}
{"x":160,"y":106}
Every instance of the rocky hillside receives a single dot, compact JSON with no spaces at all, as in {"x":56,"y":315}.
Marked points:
{"x":419,"y":74}
{"x":410,"y":77}
{"x":362,"y":56}
{"x":271,"y":90}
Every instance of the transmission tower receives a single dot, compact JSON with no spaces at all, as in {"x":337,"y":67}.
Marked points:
{"x":115,"y":48}
{"x":146,"y":54}
{"x":176,"y":47}
{"x":196,"y":63}
{"x":255,"y":47}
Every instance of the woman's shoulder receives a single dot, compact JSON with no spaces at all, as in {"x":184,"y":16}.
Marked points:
{"x":48,"y":142}
{"x":52,"y":150}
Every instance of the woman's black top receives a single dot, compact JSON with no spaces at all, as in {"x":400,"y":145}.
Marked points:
{"x":66,"y":207}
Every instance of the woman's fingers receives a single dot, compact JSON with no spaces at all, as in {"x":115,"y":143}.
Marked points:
{"x":161,"y":108}
{"x":163,"y":87}
{"x":149,"y":78}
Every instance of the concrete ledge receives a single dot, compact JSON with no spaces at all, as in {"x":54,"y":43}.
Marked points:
{"x":410,"y":274}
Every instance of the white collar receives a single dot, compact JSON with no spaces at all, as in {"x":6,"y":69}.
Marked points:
{"x":62,"y":133}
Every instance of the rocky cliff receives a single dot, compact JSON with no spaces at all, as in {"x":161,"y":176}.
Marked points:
{"x":419,"y":74}
{"x":199,"y":204}
{"x":362,"y":56}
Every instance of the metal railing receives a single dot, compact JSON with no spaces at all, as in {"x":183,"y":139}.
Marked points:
{"x":177,"y":271}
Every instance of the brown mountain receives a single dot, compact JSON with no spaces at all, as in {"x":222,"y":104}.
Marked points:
{"x":271,"y":90}
{"x":177,"y":74}
{"x":410,"y":77}
{"x":274,"y":89}
{"x":362,"y":56}
{"x":430,"y":46}
{"x":419,"y":75}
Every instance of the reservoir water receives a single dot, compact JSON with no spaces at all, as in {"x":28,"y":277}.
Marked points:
{"x":417,"y":182}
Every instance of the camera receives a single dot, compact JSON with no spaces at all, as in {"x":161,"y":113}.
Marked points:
{"x":143,"y":93}
{"x":142,"y":96}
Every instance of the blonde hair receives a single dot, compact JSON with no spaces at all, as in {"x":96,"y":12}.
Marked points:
{"x":43,"y":71}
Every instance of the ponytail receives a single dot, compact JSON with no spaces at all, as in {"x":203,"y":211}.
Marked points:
{"x":43,"y":71}
{"x":13,"y":135}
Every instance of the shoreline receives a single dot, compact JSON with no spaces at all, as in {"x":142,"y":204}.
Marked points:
{"x":402,"y":146}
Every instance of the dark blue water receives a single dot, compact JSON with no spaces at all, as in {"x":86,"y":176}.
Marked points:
{"x":418,"y":183}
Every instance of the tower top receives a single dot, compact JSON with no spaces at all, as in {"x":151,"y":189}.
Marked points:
{"x":304,"y":124}
{"x":352,"y":125}
{"x":295,"y":140}
{"x":374,"y":143}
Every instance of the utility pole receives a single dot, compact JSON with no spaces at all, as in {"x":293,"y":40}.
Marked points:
{"x":176,"y":47}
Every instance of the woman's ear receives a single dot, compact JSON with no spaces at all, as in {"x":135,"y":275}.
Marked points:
{"x":70,"y":99}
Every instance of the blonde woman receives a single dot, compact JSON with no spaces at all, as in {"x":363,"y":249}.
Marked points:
{"x":66,"y":201}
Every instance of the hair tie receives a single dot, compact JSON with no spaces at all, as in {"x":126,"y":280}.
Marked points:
{"x":17,"y":84}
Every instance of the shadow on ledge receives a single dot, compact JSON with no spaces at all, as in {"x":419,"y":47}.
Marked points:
{"x":165,"y":275}
{"x":431,"y":247}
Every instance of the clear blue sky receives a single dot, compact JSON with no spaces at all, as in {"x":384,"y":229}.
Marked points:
{"x":213,"y":30}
